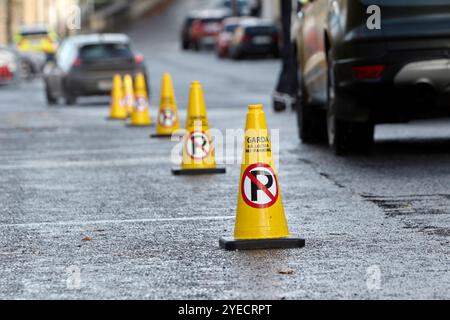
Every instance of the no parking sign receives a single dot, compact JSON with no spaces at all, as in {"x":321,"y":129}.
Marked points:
{"x":259,"y":186}
{"x":198,"y":146}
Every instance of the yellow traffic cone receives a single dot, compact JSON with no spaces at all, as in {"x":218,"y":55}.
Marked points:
{"x":198,"y":151}
{"x":260,"y":219}
{"x":140,"y":117}
{"x":118,"y":110}
{"x":129,"y":99}
{"x":168,"y":121}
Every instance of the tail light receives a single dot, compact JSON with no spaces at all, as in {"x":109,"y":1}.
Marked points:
{"x":245,"y":38}
{"x":77,"y":63}
{"x":5,"y":73}
{"x":138,"y":59}
{"x":369,"y":72}
{"x":197,"y":28}
{"x":275,"y":38}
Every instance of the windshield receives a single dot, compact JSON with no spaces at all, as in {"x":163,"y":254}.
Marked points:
{"x":105,"y":51}
{"x":231,"y":27}
{"x":260,"y":30}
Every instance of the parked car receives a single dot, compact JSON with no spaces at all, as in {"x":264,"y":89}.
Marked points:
{"x":29,"y":68}
{"x":37,"y":44}
{"x":255,"y":37}
{"x":354,"y":75}
{"x":225,"y":36}
{"x":206,"y":27}
{"x":85,"y":66}
{"x":186,"y":30}
{"x":9,"y":65}
{"x":36,"y":39}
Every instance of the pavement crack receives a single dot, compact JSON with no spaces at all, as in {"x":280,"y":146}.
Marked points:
{"x":417,"y":212}
{"x":325,"y":175}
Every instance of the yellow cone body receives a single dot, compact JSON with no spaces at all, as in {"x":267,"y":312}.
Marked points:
{"x":129,"y":99}
{"x":118,"y":110}
{"x":260,"y":212}
{"x":168,"y":121}
{"x":198,"y":150}
{"x":141,"y":113}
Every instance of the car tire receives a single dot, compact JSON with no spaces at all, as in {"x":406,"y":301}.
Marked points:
{"x":26,"y":71}
{"x":346,"y":137}
{"x":311,"y":120}
{"x":276,"y":54}
{"x":236,"y":55}
{"x":279,"y":106}
{"x":51,"y":100}
{"x":185,"y":45}
{"x":70,"y":98}
{"x":196,"y":46}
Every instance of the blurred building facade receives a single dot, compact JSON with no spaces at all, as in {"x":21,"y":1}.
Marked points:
{"x":56,"y":14}
{"x":271,"y":9}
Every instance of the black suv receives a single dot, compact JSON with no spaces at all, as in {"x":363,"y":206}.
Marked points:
{"x":366,"y":62}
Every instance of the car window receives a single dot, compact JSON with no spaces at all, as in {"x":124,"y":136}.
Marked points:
{"x":240,"y":4}
{"x":260,"y":30}
{"x":66,"y":55}
{"x":212,"y":20}
{"x":231,"y":28}
{"x":105,"y":51}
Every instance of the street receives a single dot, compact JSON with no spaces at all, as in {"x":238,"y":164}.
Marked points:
{"x":90,"y":209}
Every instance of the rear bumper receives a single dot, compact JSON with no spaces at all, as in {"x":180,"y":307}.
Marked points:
{"x":258,"y":49}
{"x":82,"y":84}
{"x":413,"y":86}
{"x":208,"y":40}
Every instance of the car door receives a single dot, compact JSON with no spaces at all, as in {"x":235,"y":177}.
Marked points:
{"x":313,"y":55}
{"x":60,"y":67}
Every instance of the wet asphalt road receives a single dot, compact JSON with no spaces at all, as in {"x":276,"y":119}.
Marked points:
{"x":89,"y":208}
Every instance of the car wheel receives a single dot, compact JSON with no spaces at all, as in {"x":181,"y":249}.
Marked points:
{"x":276,"y":53}
{"x":346,"y":137}
{"x":196,"y":46}
{"x":220,"y":53}
{"x":279,"y":106}
{"x":70,"y":98}
{"x":26,"y":70}
{"x":236,"y":55}
{"x":311,"y":120}
{"x":51,"y":100}
{"x":185,"y":45}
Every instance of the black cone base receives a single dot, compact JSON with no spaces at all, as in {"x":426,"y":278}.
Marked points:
{"x":197,"y":172}
{"x":115,"y":119}
{"x":283,"y":243}
{"x":129,"y":125}
{"x":161,"y":136}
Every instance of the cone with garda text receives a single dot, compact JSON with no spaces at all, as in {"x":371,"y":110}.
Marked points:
{"x":118,"y":110}
{"x":128,"y":91}
{"x":168,"y":121}
{"x":260,"y":218}
{"x":198,"y":150}
{"x":140,"y":117}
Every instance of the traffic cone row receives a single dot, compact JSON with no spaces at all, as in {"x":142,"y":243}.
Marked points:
{"x":130,"y":100}
{"x":260,"y":218}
